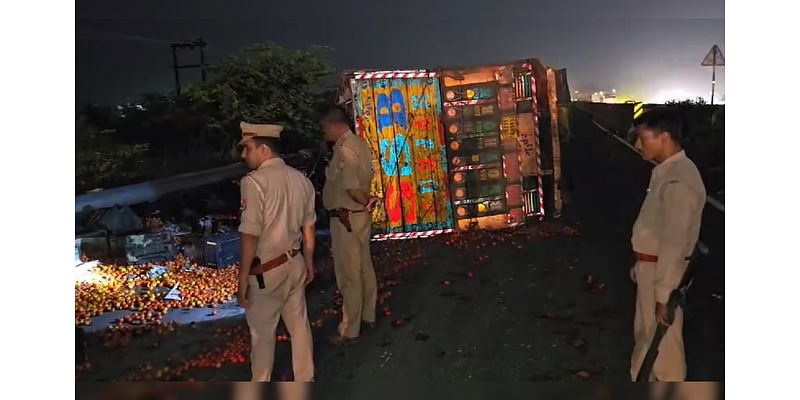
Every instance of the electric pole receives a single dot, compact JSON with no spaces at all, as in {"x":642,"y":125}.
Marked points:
{"x":188,"y":45}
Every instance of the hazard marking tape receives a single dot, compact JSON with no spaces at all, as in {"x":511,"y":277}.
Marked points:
{"x":638,"y":110}
{"x":395,"y":75}
{"x":410,"y":235}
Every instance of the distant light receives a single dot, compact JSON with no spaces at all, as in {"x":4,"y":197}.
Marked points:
{"x":672,"y":94}
{"x":601,"y":93}
{"x":614,"y":90}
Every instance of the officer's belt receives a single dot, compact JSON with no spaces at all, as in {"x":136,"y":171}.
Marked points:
{"x":343,"y":215}
{"x":338,"y":211}
{"x":274,"y":263}
{"x":647,"y":257}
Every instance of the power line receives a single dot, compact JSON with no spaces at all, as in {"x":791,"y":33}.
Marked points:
{"x":121,"y":37}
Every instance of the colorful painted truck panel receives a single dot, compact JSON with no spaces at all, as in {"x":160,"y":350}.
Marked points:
{"x":399,"y":118}
{"x":490,"y":128}
{"x":456,"y":148}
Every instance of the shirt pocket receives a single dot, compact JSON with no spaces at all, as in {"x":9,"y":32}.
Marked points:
{"x":335,"y":168}
{"x":332,"y":172}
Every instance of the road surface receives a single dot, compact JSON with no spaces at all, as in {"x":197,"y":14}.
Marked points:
{"x":549,"y":302}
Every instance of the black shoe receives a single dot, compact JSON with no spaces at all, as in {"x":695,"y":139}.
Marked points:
{"x":339,"y":340}
{"x":368,"y":326}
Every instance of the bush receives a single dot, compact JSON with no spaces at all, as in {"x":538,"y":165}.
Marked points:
{"x":165,"y":134}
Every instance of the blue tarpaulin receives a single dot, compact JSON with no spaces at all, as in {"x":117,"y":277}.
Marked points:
{"x":183,"y":316}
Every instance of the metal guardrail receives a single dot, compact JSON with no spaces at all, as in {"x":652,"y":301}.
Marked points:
{"x":146,"y":192}
{"x":710,"y":200}
{"x":305,"y":160}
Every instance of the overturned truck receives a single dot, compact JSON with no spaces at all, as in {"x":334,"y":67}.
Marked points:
{"x":460,"y":148}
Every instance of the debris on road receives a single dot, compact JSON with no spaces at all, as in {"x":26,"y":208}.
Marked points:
{"x":422,"y":337}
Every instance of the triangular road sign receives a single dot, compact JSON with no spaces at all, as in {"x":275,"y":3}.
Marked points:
{"x":714,"y":57}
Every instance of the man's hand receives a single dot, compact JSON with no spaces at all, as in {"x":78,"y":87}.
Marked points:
{"x":661,"y":314}
{"x":241,"y":298}
{"x":309,"y":273}
{"x":373,"y":201}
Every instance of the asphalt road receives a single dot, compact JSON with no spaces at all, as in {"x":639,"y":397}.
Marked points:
{"x":549,"y":302}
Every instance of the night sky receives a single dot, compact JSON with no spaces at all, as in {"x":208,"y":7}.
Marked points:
{"x":645,"y":49}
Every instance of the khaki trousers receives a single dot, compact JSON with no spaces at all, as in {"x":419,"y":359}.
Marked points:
{"x":286,"y":390}
{"x":670,"y":365}
{"x":283,"y":297}
{"x":355,"y":275}
{"x":685,"y":391}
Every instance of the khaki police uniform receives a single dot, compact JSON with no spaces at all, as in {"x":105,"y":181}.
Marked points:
{"x":277,"y":201}
{"x":684,"y":390}
{"x":351,"y":168}
{"x":667,"y":228}
{"x":286,"y":390}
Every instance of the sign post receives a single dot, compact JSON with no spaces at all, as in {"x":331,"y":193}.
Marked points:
{"x":713,"y":59}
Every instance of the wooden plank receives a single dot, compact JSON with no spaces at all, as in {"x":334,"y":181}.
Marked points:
{"x":535,"y":88}
{"x":388,"y":150}
{"x":404,"y":145}
{"x":481,"y":75}
{"x":424,"y":130}
{"x":444,"y":206}
{"x":364,"y":102}
{"x":418,"y":140}
{"x":526,"y":135}
{"x":400,"y":120}
{"x":554,"y":135}
{"x":492,"y":222}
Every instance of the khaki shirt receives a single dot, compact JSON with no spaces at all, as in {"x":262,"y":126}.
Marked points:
{"x":350,"y":168}
{"x":668,"y":225}
{"x":277,"y":201}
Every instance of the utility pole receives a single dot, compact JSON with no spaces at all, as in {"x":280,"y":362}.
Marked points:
{"x":188,"y":45}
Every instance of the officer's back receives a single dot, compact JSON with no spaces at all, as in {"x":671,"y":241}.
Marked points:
{"x":285,"y":192}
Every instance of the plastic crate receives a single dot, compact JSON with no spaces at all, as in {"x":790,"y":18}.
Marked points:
{"x":151,"y":247}
{"x":222,"y":250}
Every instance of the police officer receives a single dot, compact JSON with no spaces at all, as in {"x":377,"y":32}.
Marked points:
{"x":664,"y":235}
{"x":277,"y":210}
{"x":346,"y":196}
